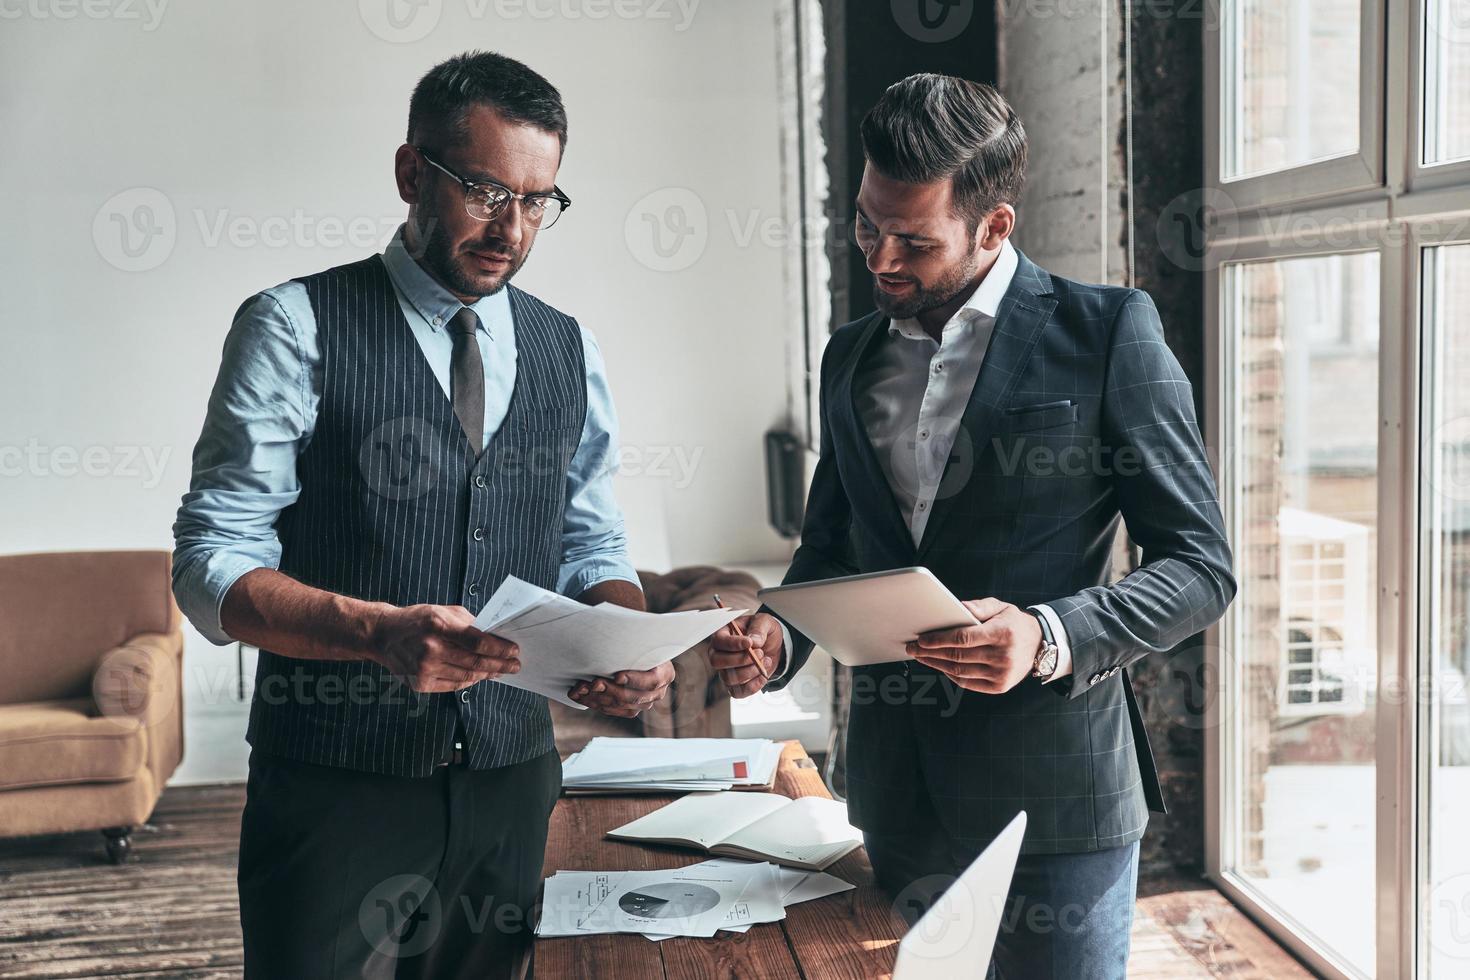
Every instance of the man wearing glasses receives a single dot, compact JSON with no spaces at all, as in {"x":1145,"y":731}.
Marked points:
{"x":386,"y":442}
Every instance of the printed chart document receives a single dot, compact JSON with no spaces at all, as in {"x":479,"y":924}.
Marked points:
{"x":659,"y":765}
{"x":795,"y":886}
{"x":810,"y":832}
{"x":693,"y":901}
{"x":563,"y":641}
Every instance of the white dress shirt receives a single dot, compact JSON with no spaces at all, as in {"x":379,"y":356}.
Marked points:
{"x":911,"y":396}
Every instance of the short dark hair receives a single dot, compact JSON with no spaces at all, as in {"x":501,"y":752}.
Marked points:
{"x":443,"y":97}
{"x":929,"y":127}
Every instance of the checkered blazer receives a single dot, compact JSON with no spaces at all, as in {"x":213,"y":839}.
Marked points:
{"x":1080,"y":417}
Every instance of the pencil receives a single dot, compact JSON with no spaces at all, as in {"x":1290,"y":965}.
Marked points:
{"x":754,"y":658}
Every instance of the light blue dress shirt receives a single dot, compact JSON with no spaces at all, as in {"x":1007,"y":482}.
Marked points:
{"x":264,"y":408}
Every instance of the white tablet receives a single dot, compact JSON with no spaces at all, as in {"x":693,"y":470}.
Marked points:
{"x":867,"y":619}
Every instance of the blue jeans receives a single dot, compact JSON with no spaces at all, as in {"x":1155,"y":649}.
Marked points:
{"x":1067,"y":917}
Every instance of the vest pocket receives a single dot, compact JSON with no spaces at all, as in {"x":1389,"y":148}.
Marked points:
{"x":540,"y":420}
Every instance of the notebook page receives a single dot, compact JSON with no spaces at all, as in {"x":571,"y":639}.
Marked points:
{"x":705,"y":818}
{"x":809,"y":829}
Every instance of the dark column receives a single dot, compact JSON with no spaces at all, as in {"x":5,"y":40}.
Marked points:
{"x":1168,"y":173}
{"x":870,"y":45}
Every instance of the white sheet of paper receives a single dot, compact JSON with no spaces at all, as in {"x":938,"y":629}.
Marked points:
{"x":570,"y":897}
{"x":795,"y":886}
{"x":693,"y":901}
{"x":563,"y":641}
{"x":606,"y":760}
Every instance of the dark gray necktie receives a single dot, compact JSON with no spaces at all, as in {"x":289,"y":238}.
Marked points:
{"x":467,"y":378}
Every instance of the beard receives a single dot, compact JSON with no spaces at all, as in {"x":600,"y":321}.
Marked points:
{"x":454,"y":269}
{"x":928,"y":296}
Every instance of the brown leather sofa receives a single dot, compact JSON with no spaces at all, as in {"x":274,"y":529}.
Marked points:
{"x":697,"y":704}
{"x":91,"y":693}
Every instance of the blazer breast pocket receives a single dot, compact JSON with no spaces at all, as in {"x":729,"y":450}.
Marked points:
{"x":1046,"y":415}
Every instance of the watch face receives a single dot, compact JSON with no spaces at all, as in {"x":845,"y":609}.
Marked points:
{"x":1046,"y":662}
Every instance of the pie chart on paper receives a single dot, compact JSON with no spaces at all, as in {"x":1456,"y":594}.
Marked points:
{"x":669,"y":900}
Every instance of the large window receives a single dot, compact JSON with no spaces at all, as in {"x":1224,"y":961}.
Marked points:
{"x":1295,"y":60}
{"x":1446,"y":39}
{"x":1305,"y":332}
{"x":1338,"y":276}
{"x":1446,"y":909}
{"x":1299,"y":111}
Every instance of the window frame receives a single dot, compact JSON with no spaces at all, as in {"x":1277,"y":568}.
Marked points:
{"x":1222,"y":740}
{"x":1424,"y":237}
{"x":1360,"y":171}
{"x":1419,"y":175}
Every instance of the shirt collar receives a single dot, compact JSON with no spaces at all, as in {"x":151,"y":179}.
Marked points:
{"x":434,"y":303}
{"x":984,"y":301}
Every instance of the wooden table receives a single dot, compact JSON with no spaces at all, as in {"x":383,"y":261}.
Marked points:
{"x":852,"y":934}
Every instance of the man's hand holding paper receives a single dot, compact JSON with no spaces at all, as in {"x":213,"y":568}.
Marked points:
{"x":626,"y":695}
{"x":604,"y":656}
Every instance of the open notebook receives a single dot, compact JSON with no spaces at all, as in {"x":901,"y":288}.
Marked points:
{"x":809,"y":833}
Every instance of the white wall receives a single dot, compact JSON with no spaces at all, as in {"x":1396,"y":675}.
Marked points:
{"x":261,"y":136}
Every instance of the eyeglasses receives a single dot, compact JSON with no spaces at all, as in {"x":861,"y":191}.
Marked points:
{"x":486,"y":200}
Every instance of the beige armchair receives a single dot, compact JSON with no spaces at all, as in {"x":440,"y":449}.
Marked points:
{"x":697,"y":704}
{"x":91,"y":693}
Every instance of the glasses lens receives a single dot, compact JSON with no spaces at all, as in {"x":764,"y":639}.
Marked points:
{"x":542,"y":212}
{"x":485,"y":202}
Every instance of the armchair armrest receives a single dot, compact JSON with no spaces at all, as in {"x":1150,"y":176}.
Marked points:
{"x":696,"y":704}
{"x":139,"y":679}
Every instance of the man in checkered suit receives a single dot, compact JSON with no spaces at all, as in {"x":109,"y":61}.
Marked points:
{"x":994,"y":423}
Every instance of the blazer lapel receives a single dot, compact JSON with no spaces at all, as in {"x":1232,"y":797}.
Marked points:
{"x":1023,"y":313}
{"x":878,"y":501}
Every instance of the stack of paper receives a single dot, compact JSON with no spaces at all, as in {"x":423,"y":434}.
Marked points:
{"x":796,"y":887}
{"x":670,"y":765}
{"x":694,"y":901}
{"x":722,"y":894}
{"x":563,"y":641}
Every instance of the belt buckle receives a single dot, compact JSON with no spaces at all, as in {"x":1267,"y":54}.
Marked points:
{"x":456,"y":756}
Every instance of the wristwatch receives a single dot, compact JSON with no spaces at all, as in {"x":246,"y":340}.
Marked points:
{"x":1045,"y":663}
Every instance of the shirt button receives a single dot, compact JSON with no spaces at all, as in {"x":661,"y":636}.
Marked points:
{"x":923,"y":505}
{"x":464,"y":696}
{"x":924,"y":434}
{"x":474,"y":588}
{"x":479,"y":534}
{"x":438,"y":320}
{"x":480,"y":481}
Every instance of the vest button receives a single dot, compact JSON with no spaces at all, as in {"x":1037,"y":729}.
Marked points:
{"x":474,"y":588}
{"x":479,"y":481}
{"x":479,"y":534}
{"x":464,"y":696}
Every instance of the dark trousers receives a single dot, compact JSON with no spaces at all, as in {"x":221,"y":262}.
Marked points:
{"x":355,"y":874}
{"x":1067,"y":917}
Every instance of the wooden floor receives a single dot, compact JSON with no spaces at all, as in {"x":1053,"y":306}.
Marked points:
{"x":65,"y":912}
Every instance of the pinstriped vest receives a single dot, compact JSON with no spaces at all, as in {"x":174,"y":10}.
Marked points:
{"x":394,"y":507}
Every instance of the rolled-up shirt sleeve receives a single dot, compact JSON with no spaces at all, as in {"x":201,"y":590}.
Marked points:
{"x":594,"y":543}
{"x":260,"y":417}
